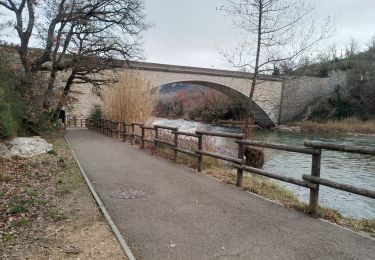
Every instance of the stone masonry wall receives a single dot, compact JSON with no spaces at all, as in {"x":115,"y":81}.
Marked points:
{"x":299,"y":93}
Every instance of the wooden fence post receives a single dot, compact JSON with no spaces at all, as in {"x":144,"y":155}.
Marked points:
{"x":175,"y":145}
{"x":315,"y":171}
{"x":123,"y":131}
{"x":132,"y":134}
{"x":156,"y":137}
{"x":143,"y":138}
{"x":240,"y":171}
{"x":200,"y":158}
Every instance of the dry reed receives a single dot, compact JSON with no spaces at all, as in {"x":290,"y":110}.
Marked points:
{"x":349,"y":125}
{"x":131,"y":99}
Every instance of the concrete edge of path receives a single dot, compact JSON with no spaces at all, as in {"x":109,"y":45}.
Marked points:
{"x":113,"y":226}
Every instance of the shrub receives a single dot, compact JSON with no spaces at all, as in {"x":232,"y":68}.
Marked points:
{"x":95,"y":113}
{"x":10,"y":104}
{"x":254,"y":157}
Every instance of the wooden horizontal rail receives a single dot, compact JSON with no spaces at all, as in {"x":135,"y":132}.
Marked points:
{"x":276,"y":176}
{"x":186,"y":152}
{"x":126,"y":134}
{"x":166,"y":127}
{"x":139,"y":124}
{"x":186,"y":134}
{"x":148,"y":127}
{"x":147,"y":140}
{"x":220,"y":134}
{"x":218,"y":156}
{"x":282,"y":147}
{"x":230,"y":122}
{"x":136,"y":135}
{"x":164,"y":142}
{"x":340,"y":186}
{"x":340,"y":148}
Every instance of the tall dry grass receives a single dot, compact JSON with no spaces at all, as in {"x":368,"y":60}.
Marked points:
{"x":131,"y":99}
{"x":349,"y":125}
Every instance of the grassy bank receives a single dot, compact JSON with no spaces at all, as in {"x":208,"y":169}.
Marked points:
{"x":349,"y":125}
{"x":47,"y":211}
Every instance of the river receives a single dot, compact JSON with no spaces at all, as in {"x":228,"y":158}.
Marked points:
{"x":354,"y":169}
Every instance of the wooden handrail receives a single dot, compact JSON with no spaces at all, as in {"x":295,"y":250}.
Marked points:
{"x":166,"y":127}
{"x":219,"y":156}
{"x":187,"y":134}
{"x":221,"y":134}
{"x":340,"y":148}
{"x":340,"y":186}
{"x":282,"y":147}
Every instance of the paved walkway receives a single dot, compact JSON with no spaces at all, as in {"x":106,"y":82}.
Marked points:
{"x":180,"y":214}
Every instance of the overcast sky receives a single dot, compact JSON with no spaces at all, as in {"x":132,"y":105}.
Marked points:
{"x":191,"y":32}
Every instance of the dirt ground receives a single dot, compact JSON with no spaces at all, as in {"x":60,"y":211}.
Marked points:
{"x":47,"y":211}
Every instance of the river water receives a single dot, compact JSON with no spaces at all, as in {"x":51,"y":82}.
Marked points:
{"x":358,"y":170}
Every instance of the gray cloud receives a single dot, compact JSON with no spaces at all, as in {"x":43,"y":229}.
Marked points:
{"x":190,"y":32}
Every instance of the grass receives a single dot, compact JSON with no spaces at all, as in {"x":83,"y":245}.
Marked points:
{"x":4,"y":177}
{"x":19,"y":222}
{"x":33,"y":192}
{"x":18,"y":208}
{"x":52,"y":152}
{"x":349,"y":125}
{"x":11,"y":239}
{"x":57,"y":215}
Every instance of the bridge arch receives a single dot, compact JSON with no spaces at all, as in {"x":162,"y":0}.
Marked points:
{"x":261,"y":117}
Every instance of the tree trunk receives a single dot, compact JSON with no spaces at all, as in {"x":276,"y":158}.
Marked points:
{"x":65,"y":93}
{"x":49,"y":91}
{"x":249,"y":111}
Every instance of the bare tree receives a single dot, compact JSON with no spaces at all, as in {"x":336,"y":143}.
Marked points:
{"x":277,"y":33}
{"x":79,"y":37}
{"x":352,"y":48}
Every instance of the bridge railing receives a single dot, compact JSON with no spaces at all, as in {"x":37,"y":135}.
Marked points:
{"x":310,"y":181}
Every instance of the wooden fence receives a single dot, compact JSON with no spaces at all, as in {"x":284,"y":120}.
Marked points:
{"x":77,"y":121}
{"x":312,"y":181}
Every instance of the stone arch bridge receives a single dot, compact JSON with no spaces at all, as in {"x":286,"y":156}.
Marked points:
{"x":276,"y":100}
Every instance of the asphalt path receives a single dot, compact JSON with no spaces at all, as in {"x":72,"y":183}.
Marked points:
{"x":167,"y":211}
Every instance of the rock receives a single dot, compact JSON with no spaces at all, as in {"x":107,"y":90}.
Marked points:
{"x":4,"y":151}
{"x":73,"y":250}
{"x":25,"y":147}
{"x":285,"y":128}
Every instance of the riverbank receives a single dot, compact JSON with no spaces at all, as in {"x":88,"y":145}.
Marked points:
{"x":48,"y":211}
{"x":346,"y":126}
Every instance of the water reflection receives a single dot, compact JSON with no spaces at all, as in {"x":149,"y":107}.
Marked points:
{"x":354,"y":169}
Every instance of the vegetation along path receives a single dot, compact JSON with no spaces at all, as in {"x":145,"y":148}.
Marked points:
{"x":167,"y":211}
